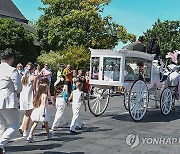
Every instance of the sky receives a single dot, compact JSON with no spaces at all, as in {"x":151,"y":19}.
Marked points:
{"x":135,"y":15}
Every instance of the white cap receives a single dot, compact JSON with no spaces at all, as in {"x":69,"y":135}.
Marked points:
{"x":18,"y":65}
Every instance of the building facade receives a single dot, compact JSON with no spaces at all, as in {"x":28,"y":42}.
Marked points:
{"x":9,"y":10}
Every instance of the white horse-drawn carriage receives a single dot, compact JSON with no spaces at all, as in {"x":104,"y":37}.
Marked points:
{"x":137,"y":73}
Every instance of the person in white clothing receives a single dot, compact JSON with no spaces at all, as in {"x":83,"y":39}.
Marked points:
{"x":77,"y":96}
{"x":61,"y":96}
{"x":10,"y":86}
{"x":46,"y":71}
{"x":74,"y":79}
{"x":20,"y":69}
{"x":40,"y":112}
{"x":26,"y":97}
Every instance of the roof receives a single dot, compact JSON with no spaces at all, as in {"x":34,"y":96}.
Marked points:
{"x":9,"y":9}
{"x":27,"y":27}
{"x":126,"y":53}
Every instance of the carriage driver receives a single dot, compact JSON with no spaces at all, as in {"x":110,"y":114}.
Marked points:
{"x":140,"y":65}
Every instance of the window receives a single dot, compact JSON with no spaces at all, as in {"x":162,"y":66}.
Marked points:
{"x":111,"y":69}
{"x":137,"y":69}
{"x":95,"y":68}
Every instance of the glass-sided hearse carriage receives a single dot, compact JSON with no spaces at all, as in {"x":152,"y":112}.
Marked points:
{"x":136,"y":72}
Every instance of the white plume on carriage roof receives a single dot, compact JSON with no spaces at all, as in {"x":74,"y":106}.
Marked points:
{"x":173,"y":56}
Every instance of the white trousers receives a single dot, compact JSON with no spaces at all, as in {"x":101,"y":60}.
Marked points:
{"x":76,"y":122}
{"x":9,"y":118}
{"x":60,"y":106}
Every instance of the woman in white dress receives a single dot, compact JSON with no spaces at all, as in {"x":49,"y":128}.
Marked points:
{"x":26,"y":98}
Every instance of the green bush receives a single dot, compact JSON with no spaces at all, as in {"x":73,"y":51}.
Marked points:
{"x":77,"y":56}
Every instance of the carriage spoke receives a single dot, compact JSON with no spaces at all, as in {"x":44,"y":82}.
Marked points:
{"x":94,"y":104}
{"x":138,"y":100}
{"x":99,"y":105}
{"x":93,"y":100}
{"x":100,"y":102}
{"x":141,"y":89}
{"x":166,"y":101}
{"x":137,"y":110}
{"x":134,"y":107}
{"x":163,"y":107}
{"x":134,"y":104}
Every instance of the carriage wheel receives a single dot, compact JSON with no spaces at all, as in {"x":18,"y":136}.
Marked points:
{"x":138,"y":100}
{"x":126,"y":96}
{"x":166,"y":100}
{"x":98,"y":100}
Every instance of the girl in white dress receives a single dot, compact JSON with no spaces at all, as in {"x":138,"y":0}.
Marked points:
{"x":77,"y":96}
{"x":41,"y":111}
{"x":60,"y":94}
{"x":26,"y":98}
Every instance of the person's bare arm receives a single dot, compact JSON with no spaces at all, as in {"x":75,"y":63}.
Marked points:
{"x":70,"y":98}
{"x":84,"y":103}
{"x":44,"y":99}
{"x":34,"y":82}
{"x":49,"y":96}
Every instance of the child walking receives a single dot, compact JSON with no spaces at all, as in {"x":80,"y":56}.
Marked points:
{"x":60,"y":94}
{"x":40,"y":112}
{"x":77,"y":96}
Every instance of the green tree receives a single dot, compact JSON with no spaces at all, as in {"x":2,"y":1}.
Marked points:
{"x":168,"y":35}
{"x":78,"y":22}
{"x":77,"y":56}
{"x":53,"y":59}
{"x":14,"y":36}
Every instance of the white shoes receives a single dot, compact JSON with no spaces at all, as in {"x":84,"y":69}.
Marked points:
{"x":25,"y":134}
{"x":50,"y":136}
{"x":65,"y":125}
{"x":30,"y":139}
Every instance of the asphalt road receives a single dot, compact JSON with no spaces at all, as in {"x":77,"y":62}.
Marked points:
{"x":108,"y":133}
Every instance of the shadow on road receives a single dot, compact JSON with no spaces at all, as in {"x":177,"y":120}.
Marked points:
{"x":154,"y":115}
{"x":83,"y":130}
{"x":94,"y":129}
{"x":32,"y":147}
{"x":51,"y":152}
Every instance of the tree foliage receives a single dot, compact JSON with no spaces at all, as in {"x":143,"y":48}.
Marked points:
{"x":14,"y":36}
{"x":78,"y":22}
{"x":53,"y":59}
{"x":77,"y":56}
{"x":168,"y":35}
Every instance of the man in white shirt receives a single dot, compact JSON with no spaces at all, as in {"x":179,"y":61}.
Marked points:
{"x":10,"y":86}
